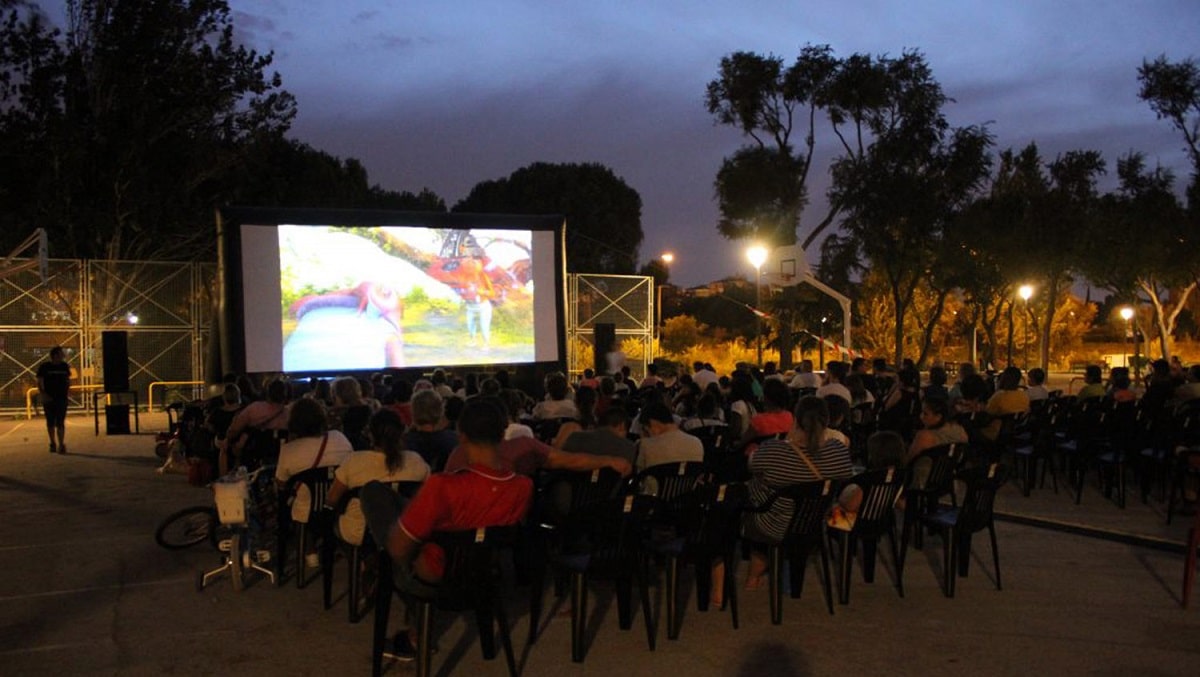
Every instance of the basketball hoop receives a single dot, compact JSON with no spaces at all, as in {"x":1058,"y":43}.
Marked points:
{"x":9,"y":266}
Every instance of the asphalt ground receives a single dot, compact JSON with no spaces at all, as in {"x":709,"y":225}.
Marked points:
{"x":85,"y":590}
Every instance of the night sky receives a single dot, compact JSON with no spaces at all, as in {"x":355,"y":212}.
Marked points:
{"x":447,"y":94}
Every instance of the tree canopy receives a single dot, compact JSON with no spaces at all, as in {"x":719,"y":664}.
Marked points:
{"x":603,"y":214}
{"x":118,"y":134}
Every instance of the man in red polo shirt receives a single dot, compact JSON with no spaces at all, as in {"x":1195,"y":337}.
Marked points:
{"x":485,"y":493}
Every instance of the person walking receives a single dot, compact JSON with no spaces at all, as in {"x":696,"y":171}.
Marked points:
{"x":54,"y":385}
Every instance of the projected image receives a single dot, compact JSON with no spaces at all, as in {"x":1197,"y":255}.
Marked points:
{"x":367,"y":298}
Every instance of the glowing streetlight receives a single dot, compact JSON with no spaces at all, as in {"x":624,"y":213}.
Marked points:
{"x":757,"y":256}
{"x":666,"y":258}
{"x":1025,"y":291}
{"x":1126,"y":314}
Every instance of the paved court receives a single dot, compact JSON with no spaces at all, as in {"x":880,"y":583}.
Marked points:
{"x":86,"y":591}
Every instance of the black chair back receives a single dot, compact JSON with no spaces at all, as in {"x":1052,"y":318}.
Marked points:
{"x":982,"y":484}
{"x":945,"y":460}
{"x":810,"y":504}
{"x":613,"y":531}
{"x":880,"y":489}
{"x":472,"y":565}
{"x":546,"y":429}
{"x":669,"y":481}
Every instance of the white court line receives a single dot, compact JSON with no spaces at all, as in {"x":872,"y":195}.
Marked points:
{"x":96,"y":588}
{"x":15,"y":428}
{"x":59,"y":544}
{"x":54,"y":647}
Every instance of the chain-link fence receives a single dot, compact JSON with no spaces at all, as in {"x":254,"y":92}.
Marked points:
{"x":624,"y":301}
{"x":164,"y":308}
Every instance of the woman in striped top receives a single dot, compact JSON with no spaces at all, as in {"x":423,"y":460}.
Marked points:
{"x":812,"y":451}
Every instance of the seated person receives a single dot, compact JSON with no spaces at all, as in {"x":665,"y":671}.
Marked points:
{"x":1008,"y":399}
{"x":1119,"y":386}
{"x":514,"y":406}
{"x":269,"y":414}
{"x":350,"y":412}
{"x":585,"y":402}
{"x":558,"y":402}
{"x":386,"y":461}
{"x":527,"y":455}
{"x":937,"y":384}
{"x":1037,"y":385}
{"x":310,"y":445}
{"x":662,"y":441}
{"x":1190,"y":390}
{"x":608,"y":438}
{"x":483,"y":493}
{"x":805,"y":378}
{"x":885,"y":449}
{"x":812,"y":451}
{"x":936,"y":429}
{"x":774,"y":419}
{"x":1093,"y":384}
{"x":429,"y":435}
{"x":220,"y":418}
{"x":708,"y":414}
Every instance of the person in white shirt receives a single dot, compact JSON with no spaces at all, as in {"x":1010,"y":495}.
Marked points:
{"x":310,"y":445}
{"x":835,"y":374}
{"x":1037,"y":385}
{"x":805,"y":378}
{"x":663,"y":441}
{"x":703,"y":374}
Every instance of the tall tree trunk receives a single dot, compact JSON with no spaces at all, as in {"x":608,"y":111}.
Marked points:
{"x":1048,"y":326}
{"x":1008,"y":360}
{"x":1166,"y":316}
{"x":931,"y":326}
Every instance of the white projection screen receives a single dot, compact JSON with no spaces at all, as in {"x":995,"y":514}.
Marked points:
{"x":341,"y":291}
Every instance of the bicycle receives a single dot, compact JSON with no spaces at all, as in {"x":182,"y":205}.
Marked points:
{"x":242,"y":503}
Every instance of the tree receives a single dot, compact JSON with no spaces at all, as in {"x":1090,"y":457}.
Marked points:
{"x":603,"y":214}
{"x":762,"y":188}
{"x":900,"y":196}
{"x":1173,"y":92}
{"x":287,"y":173}
{"x":120,"y":134}
{"x":1144,"y":245}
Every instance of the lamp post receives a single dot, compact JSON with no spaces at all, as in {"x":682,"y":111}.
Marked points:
{"x":1127,"y":315}
{"x":757,"y":256}
{"x":1025,"y":292}
{"x":821,"y":343}
{"x":667,"y":258}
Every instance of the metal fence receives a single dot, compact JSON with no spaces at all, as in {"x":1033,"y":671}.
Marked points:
{"x":165,"y":308}
{"x":626,"y":302}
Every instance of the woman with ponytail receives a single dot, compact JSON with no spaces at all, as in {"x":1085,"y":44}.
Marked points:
{"x":812,"y":451}
{"x":386,"y":461}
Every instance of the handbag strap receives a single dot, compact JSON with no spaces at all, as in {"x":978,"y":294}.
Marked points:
{"x":321,"y":451}
{"x":807,"y":461}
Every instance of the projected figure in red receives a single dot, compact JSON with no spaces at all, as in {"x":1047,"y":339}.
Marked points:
{"x":371,"y":300}
{"x":477,"y":292}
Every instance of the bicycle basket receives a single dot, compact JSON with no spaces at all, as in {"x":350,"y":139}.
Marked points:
{"x":231,"y":499}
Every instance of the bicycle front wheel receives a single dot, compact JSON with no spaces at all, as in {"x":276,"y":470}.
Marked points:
{"x":187,"y":527}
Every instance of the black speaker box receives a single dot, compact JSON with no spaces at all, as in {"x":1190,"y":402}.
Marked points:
{"x":115,"y":349}
{"x":605,"y":336}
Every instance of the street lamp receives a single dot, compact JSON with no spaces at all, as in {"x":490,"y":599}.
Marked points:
{"x":757,"y":256}
{"x":821,"y":343}
{"x":1127,"y":315}
{"x":667,"y":258}
{"x":1025,"y":291}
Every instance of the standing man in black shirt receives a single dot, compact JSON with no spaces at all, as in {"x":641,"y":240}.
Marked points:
{"x":54,"y":384}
